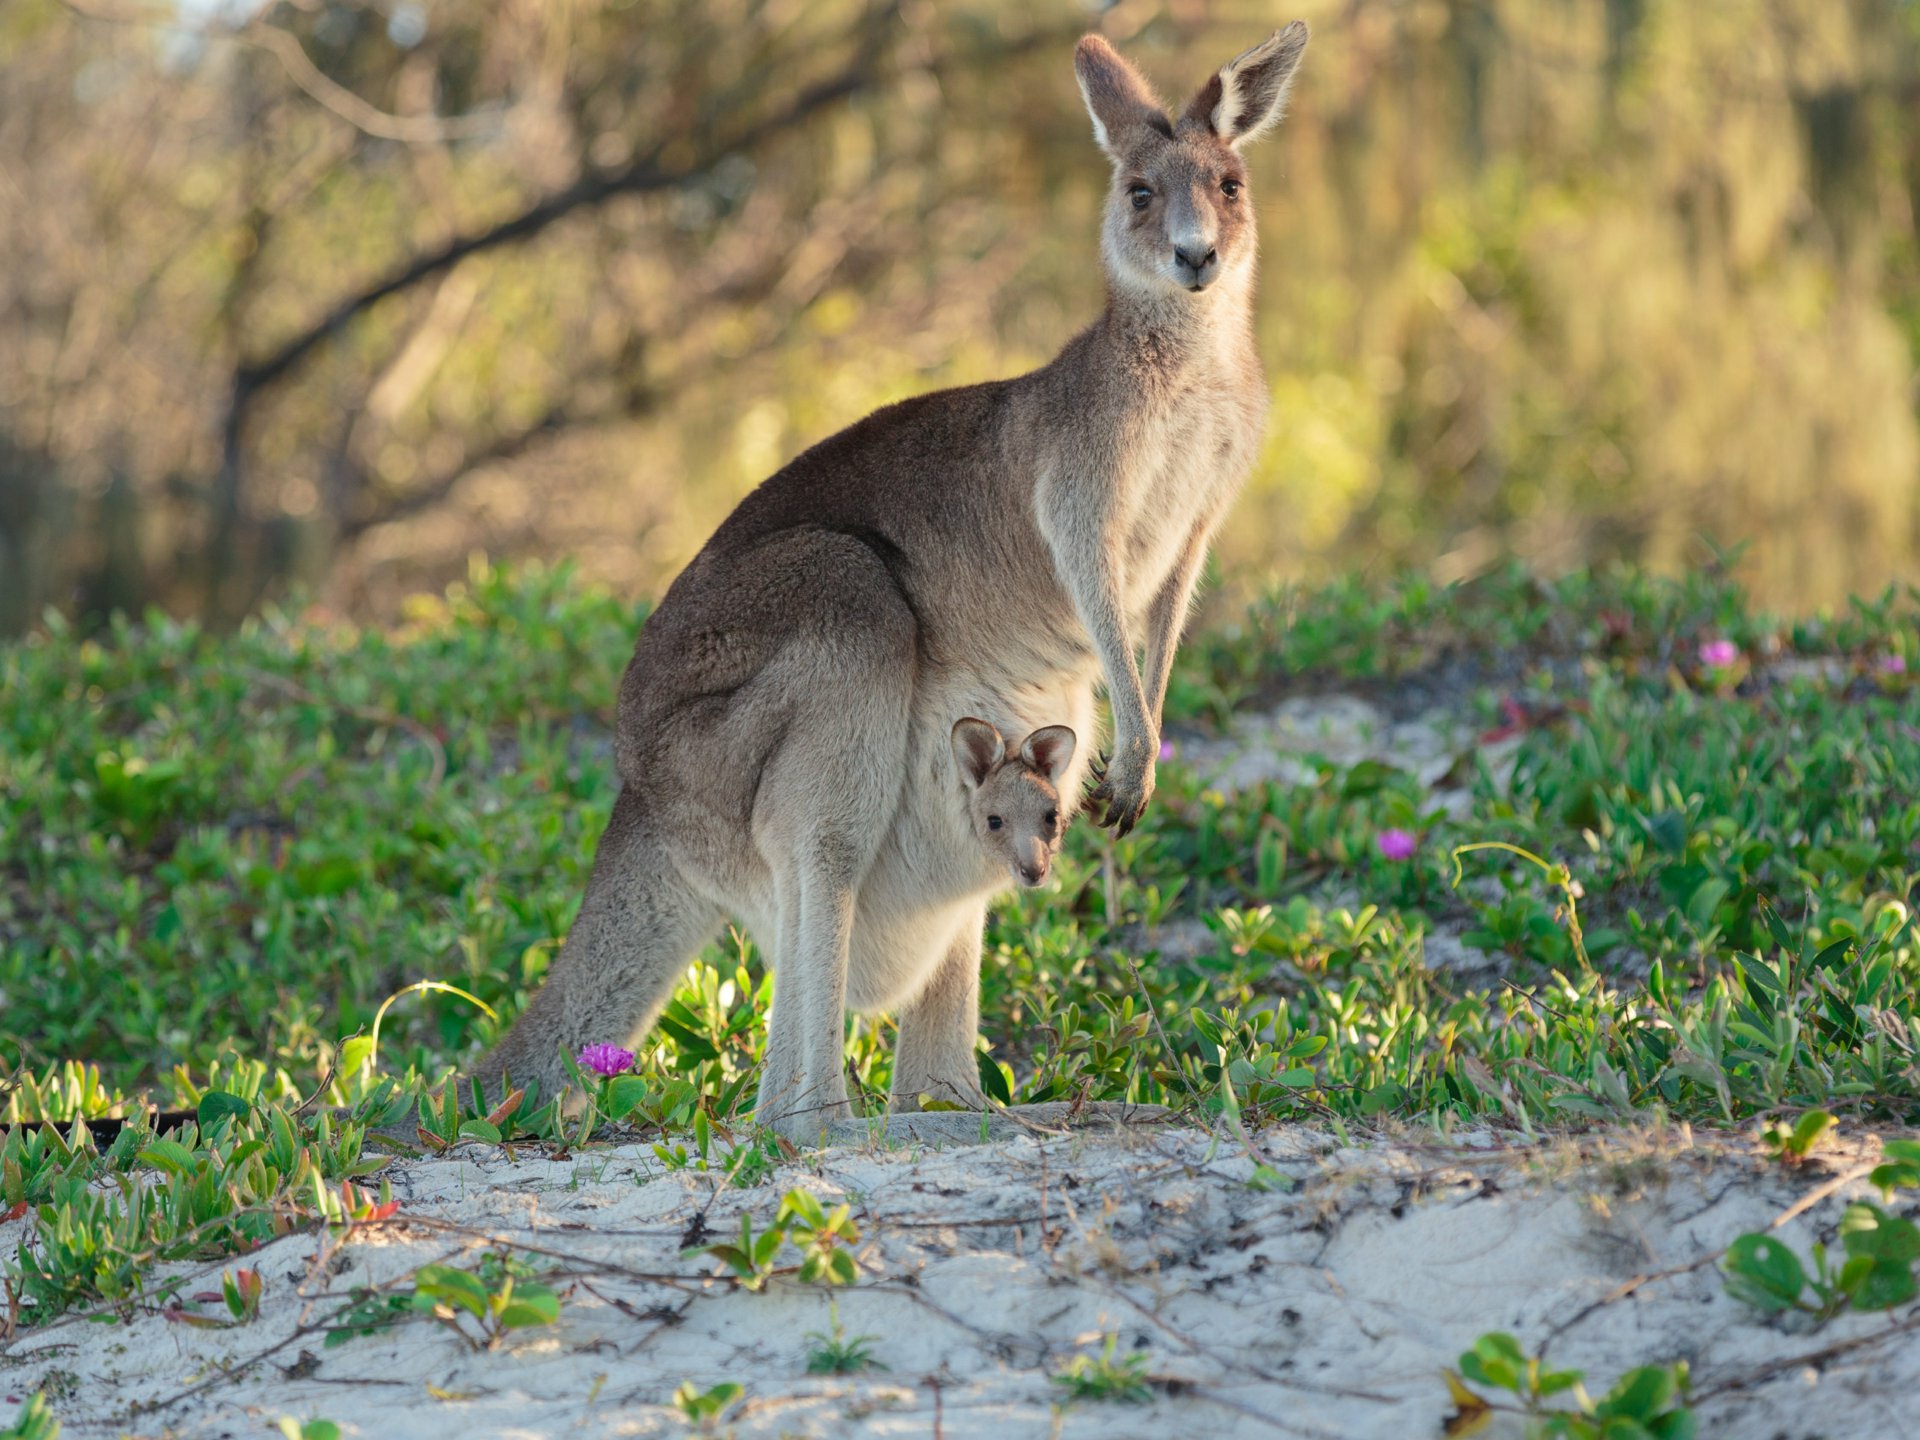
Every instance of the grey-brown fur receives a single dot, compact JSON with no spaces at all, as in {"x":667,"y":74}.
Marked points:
{"x":784,"y":725}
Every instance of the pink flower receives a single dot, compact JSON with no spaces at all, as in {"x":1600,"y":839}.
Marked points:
{"x":1891,"y":664}
{"x":605,"y":1061}
{"x":1396,"y":844}
{"x":1718,"y":654}
{"x":1166,"y":750}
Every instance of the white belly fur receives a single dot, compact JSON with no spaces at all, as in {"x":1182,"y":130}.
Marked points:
{"x":930,"y":871}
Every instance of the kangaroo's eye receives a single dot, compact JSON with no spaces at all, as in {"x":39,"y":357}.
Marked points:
{"x":1230,"y":189}
{"x":994,"y":822}
{"x":1052,"y":818}
{"x":1142,"y":196}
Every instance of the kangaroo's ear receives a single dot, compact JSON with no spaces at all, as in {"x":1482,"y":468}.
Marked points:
{"x":977,"y":748}
{"x":1249,"y":93}
{"x":1119,"y":100}
{"x":1049,"y":751}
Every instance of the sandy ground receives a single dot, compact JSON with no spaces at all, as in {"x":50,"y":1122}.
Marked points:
{"x":1328,"y":1309}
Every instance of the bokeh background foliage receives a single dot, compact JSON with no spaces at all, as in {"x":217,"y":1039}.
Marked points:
{"x":323,"y":297}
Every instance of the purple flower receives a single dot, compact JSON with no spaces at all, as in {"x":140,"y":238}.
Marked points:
{"x":1397,"y":844}
{"x":605,"y":1061}
{"x":1166,"y":750}
{"x":1718,"y":654}
{"x":1891,"y":664}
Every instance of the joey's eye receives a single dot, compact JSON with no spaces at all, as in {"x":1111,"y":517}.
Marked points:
{"x":1142,"y":196}
{"x":1052,"y":818}
{"x":994,"y":822}
{"x":1230,"y":189}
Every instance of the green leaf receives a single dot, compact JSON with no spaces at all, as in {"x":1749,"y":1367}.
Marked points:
{"x":1667,"y":830}
{"x":1764,"y":1273}
{"x":624,"y":1095}
{"x":1675,"y":1425}
{"x":218,"y":1105}
{"x":480,"y":1130}
{"x":1640,"y":1394}
{"x":1808,"y":1130}
{"x":454,"y":1287}
{"x":804,"y":1205}
{"x":1496,"y":1359}
{"x":1381,"y":1098}
{"x":1878,"y":1284}
{"x":531,"y":1305}
{"x":693,"y":1047}
{"x":1869,"y":1230}
{"x":992,"y":1079}
{"x":168,"y":1155}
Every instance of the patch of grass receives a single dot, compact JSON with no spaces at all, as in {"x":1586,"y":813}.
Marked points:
{"x":834,"y":1352}
{"x":1120,"y":1379}
{"x":221,"y":856}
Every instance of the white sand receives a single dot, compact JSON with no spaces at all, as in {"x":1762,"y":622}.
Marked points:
{"x":1327,"y":1311}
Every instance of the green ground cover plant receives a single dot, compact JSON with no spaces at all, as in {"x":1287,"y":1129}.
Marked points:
{"x":1647,"y":1403}
{"x":221,"y":857}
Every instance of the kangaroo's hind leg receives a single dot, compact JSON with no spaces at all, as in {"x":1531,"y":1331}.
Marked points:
{"x":825,"y":805}
{"x":638,"y":926}
{"x":822,"y":818}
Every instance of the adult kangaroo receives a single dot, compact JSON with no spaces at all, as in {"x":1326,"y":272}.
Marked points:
{"x":784,"y":725}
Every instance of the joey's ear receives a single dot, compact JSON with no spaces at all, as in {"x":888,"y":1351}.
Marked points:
{"x":1249,"y":93}
{"x":1118,"y":99}
{"x":1049,"y":751}
{"x":977,"y":748}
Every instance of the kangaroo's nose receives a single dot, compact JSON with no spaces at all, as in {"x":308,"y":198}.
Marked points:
{"x":1032,"y":874}
{"x":1191,"y":257}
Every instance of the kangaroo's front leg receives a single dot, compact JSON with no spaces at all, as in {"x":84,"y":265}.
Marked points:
{"x":1082,"y":520}
{"x":803,"y":1083}
{"x":1168,"y":616}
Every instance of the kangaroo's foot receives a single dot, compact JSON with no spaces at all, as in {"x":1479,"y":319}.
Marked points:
{"x":808,"y":1125}
{"x":1001,"y":1122}
{"x":933,"y":1094}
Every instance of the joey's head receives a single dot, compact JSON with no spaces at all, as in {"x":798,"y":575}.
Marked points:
{"x":1179,"y":216}
{"x":1013,"y":797}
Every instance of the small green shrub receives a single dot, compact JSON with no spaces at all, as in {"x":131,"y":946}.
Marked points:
{"x":1646,"y":1402}
{"x":1105,"y":1377}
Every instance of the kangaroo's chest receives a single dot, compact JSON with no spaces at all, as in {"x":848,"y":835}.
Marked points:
{"x":1191,"y":463}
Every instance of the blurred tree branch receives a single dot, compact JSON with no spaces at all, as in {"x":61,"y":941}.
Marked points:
{"x":322,"y":88}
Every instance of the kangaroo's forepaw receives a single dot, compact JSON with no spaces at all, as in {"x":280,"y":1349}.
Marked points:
{"x":1120,"y":798}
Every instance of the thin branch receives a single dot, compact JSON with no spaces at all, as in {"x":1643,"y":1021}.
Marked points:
{"x":320,"y":87}
{"x":558,"y":417}
{"x":285,"y":47}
